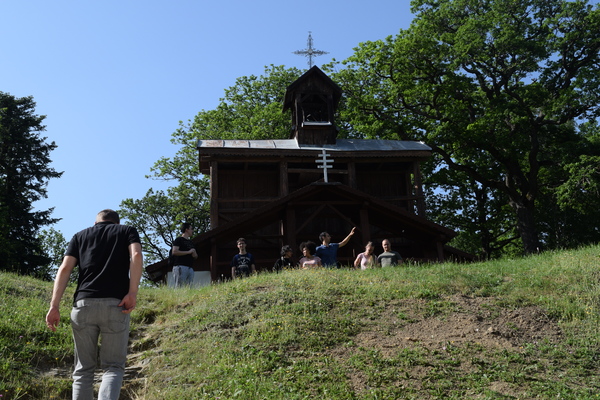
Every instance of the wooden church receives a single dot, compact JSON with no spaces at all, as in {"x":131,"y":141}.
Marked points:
{"x":284,"y":192}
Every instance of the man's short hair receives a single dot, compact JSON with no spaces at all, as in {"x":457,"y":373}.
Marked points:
{"x":109,"y":215}
{"x":185,"y":226}
{"x":240,"y":240}
{"x":285,"y":249}
{"x":322,"y":235}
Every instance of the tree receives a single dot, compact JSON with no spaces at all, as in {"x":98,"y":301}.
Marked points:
{"x":485,"y":225}
{"x":53,"y":246}
{"x":488,"y":85}
{"x":251,"y":109}
{"x":24,"y":175}
{"x":582,"y":184}
{"x":570,"y":200}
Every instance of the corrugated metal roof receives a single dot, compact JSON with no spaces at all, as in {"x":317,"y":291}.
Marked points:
{"x":341,"y":145}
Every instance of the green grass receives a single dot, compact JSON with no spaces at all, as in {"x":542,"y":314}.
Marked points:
{"x":307,"y":335}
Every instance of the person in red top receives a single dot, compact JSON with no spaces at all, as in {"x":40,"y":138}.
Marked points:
{"x":109,"y":256}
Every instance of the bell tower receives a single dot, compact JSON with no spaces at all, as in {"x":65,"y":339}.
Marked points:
{"x":313,"y":99}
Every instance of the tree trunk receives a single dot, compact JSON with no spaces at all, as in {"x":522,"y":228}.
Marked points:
{"x":526,"y":226}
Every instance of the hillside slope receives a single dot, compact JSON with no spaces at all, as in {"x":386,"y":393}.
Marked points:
{"x":511,"y":329}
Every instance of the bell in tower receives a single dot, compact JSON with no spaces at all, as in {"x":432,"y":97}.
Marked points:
{"x":313,"y":99}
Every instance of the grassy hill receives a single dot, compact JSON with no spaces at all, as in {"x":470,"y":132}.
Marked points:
{"x":512,"y":329}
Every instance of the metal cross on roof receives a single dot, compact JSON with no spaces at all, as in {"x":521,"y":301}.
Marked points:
{"x":309,"y":51}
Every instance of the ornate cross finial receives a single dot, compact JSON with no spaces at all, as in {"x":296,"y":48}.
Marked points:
{"x":309,"y":51}
{"x":324,"y":161}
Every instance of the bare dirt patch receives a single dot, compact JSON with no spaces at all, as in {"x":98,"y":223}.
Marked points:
{"x":459,"y":319}
{"x":432,"y":326}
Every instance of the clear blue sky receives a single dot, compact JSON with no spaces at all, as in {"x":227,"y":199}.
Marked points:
{"x":114,"y":78}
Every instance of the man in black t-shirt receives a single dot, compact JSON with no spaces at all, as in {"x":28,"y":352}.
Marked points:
{"x":184,"y":254}
{"x":109,"y":256}
{"x":243,"y":262}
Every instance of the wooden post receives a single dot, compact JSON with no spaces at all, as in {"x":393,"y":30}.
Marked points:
{"x":418,"y":190}
{"x":284,"y":188}
{"x":352,"y":174}
{"x":440,"y":251}
{"x":214,"y":272}
{"x":214,"y":195}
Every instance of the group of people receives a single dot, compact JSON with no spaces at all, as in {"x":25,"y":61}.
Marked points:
{"x":184,"y":254}
{"x":388,"y":258}
{"x":313,"y":256}
{"x":325,"y":255}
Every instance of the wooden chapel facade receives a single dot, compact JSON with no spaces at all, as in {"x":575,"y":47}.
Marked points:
{"x":281,"y":192}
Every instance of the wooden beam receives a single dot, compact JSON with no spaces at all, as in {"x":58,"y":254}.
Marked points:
{"x":316,"y":203}
{"x":342,"y":216}
{"x":247,"y":200}
{"x":221,"y":215}
{"x":321,"y":207}
{"x":317,"y":171}
{"x":352,"y":174}
{"x":284,"y":187}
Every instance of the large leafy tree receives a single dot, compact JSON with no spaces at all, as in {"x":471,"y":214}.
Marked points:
{"x":24,"y":174}
{"x":489,"y":85}
{"x":251,"y":109}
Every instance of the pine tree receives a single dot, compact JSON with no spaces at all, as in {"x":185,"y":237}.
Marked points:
{"x":24,"y":175}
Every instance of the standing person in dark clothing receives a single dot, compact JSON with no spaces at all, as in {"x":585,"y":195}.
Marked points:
{"x":243,"y":262}
{"x":184,"y":253}
{"x":285,"y":261}
{"x":109,"y":256}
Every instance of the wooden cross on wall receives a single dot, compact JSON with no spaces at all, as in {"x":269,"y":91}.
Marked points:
{"x":324,"y":161}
